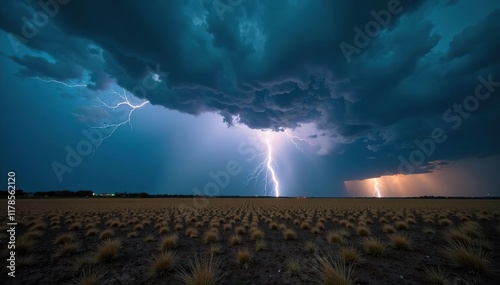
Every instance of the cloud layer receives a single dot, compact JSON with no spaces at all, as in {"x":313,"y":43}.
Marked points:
{"x":279,"y":64}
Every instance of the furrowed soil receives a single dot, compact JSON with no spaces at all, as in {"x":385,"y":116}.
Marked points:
{"x":206,"y":226}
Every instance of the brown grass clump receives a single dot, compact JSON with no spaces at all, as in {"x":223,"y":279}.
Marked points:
{"x":106,"y":234}
{"x":68,"y":248}
{"x":191,"y":232}
{"x":373,"y":246}
{"x":445,"y":222}
{"x":240,"y":230}
{"x":327,"y":271}
{"x":350,"y":254}
{"x":458,"y":236}
{"x":132,"y":234}
{"x":202,"y":271}
{"x":289,"y":234}
{"x":311,"y":246}
{"x":162,"y":264}
{"x":335,"y":237}
{"x":107,"y":250}
{"x":388,"y":229}
{"x":149,"y":238}
{"x":243,"y":258}
{"x":169,"y":242}
{"x":428,"y":230}
{"x":235,"y":239}
{"x":400,"y":241}
{"x":90,"y":277}
{"x":363,"y":231}
{"x":211,"y":236}
{"x":227,"y":227}
{"x":91,"y":232}
{"x":400,"y":225}
{"x":75,"y":226}
{"x":215,"y":248}
{"x":273,"y":226}
{"x":64,"y":238}
{"x":163,"y":230}
{"x":293,"y":267}
{"x":83,"y":261}
{"x":257,"y":235}
{"x":260,"y":245}
{"x":436,"y":276}
{"x":470,"y":258}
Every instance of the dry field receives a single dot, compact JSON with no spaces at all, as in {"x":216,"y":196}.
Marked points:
{"x":256,"y":241}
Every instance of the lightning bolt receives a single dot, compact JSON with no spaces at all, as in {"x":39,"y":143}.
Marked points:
{"x":267,"y":166}
{"x":113,"y":127}
{"x":72,"y":85}
{"x":295,"y":140}
{"x":378,"y":189}
{"x":124,"y":101}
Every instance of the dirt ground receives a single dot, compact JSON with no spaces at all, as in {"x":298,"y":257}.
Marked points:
{"x":51,"y":217}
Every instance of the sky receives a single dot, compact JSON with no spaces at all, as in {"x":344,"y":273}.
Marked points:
{"x":276,"y":98}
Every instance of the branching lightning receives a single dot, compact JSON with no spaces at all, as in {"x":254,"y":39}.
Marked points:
{"x":296,"y":141}
{"x":110,"y":128}
{"x":267,"y":166}
{"x":71,"y":85}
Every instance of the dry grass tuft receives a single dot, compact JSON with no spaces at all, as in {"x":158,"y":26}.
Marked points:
{"x":106,"y":234}
{"x":373,"y":246}
{"x":91,"y":277}
{"x":363,"y":231}
{"x":436,"y":276}
{"x":91,"y":232}
{"x":257,"y":235}
{"x":215,"y":248}
{"x":335,"y":237}
{"x":162,"y":264}
{"x":400,"y":241}
{"x":470,"y":258}
{"x":388,"y":229}
{"x":260,"y":245}
{"x":350,"y":254}
{"x":289,"y":234}
{"x":311,"y":246}
{"x":169,"y":242}
{"x":211,"y":236}
{"x":107,"y":250}
{"x":64,"y":238}
{"x":293,"y":267}
{"x":68,"y":248}
{"x":328,"y":271}
{"x":243,"y":258}
{"x":428,"y":230}
{"x":400,"y":225}
{"x":235,"y":239}
{"x":445,"y":222}
{"x":203,"y":271}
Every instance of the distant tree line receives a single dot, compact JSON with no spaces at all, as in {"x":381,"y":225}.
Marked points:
{"x":59,"y":193}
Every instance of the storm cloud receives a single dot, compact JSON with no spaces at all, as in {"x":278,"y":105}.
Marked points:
{"x":279,"y":64}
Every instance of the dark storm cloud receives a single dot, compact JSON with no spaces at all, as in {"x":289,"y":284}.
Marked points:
{"x":277,"y":64}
